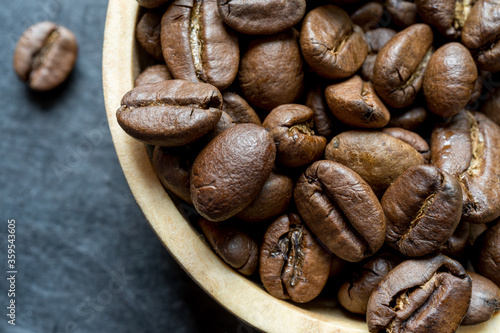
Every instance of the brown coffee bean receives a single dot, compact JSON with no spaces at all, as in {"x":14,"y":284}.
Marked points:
{"x":45,"y":55}
{"x":225,"y":122}
{"x":292,"y":265}
{"x":355,"y":103}
{"x":230,"y":171}
{"x":411,"y":138}
{"x":486,"y":254}
{"x":420,"y":295}
{"x":272,"y":200}
{"x":148,"y":34}
{"x":411,"y":119}
{"x":468,"y":148}
{"x":491,"y":106}
{"x":291,"y":126}
{"x":271,"y":72}
{"x":239,"y":109}
{"x":170,"y":113}
{"x":376,"y":40}
{"x":197,"y":46}
{"x":153,"y":74}
{"x":353,"y":295}
{"x":447,"y":16}
{"x":423,"y":209}
{"x":341,"y":209}
{"x":481,"y":34}
{"x":403,"y":12}
{"x":368,"y":15}
{"x":455,"y":245}
{"x":377,"y":157}
{"x":315,"y":100}
{"x":331,"y":44}
{"x":401,"y":64}
{"x":484,"y":300}
{"x":151,"y":3}
{"x":256,"y":17}
{"x":449,"y":80}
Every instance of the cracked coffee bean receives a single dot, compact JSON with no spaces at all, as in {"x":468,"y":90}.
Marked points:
{"x":447,"y":16}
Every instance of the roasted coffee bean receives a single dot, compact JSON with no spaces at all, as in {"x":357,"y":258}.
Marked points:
{"x":272,"y":200}
{"x":423,"y":209}
{"x":492,"y":106}
{"x":411,"y":138}
{"x":447,"y":16}
{"x":353,"y":295}
{"x":420,"y":295}
{"x":170,"y":113}
{"x":315,"y":100}
{"x":45,"y":55}
{"x":475,"y":230}
{"x":481,"y":34}
{"x":403,"y":12}
{"x":484,"y":300}
{"x":368,"y":15}
{"x":239,"y":109}
{"x":225,"y":122}
{"x":173,"y":168}
{"x":468,"y":147}
{"x":292,"y":265}
{"x":257,"y":17}
{"x":148,"y":34}
{"x":230,"y":171}
{"x":271,"y":71}
{"x":332,"y":46}
{"x":411,"y":119}
{"x":377,"y":157}
{"x":487,"y":253}
{"x":197,"y":46}
{"x":376,"y":40}
{"x":153,"y":74}
{"x":401,"y":64}
{"x":355,"y":103}
{"x":455,"y":245}
{"x":449,"y":80}
{"x":152,"y":3}
{"x":341,"y":209}
{"x":291,"y":126}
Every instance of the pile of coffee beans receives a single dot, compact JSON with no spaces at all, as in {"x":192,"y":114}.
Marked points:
{"x":337,"y":141}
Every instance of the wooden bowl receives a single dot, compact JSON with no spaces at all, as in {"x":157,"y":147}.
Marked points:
{"x":244,"y":298}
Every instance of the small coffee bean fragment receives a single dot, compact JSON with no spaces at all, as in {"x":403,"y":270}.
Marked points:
{"x":484,"y":300}
{"x":153,"y":74}
{"x":455,"y":246}
{"x":410,"y":119}
{"x":322,"y":119}
{"x":239,"y":109}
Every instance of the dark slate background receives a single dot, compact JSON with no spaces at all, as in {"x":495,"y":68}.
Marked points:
{"x":87,"y":261}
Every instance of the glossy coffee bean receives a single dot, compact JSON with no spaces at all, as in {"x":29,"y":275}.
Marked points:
{"x":170,"y":113}
{"x":271,"y":70}
{"x":291,"y":126}
{"x":486,"y":254}
{"x":449,"y":80}
{"x":484,"y":300}
{"x":322,"y":119}
{"x":152,"y":3}
{"x":368,"y":15}
{"x":230,"y":171}
{"x":377,"y":157}
{"x":403,"y":12}
{"x":331,"y":44}
{"x":239,"y":109}
{"x":410,"y":119}
{"x":376,"y":40}
{"x":153,"y":74}
{"x":401,"y":64}
{"x":447,"y":16}
{"x":420,"y":295}
{"x":257,"y":17}
{"x":148,"y":34}
{"x":197,"y":46}
{"x":45,"y":55}
{"x":355,"y":103}
{"x":225,"y":122}
{"x":411,"y":138}
{"x":423,"y":209}
{"x":292,"y":265}
{"x":468,"y":148}
{"x":341,"y":209}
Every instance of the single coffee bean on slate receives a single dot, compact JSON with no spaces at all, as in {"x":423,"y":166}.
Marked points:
{"x":45,"y":55}
{"x":481,"y":34}
{"x":355,"y":103}
{"x":411,"y":138}
{"x":233,"y":245}
{"x":377,"y":157}
{"x":239,"y":109}
{"x":423,"y":209}
{"x":152,"y":3}
{"x":332,"y":46}
{"x":376,"y":40}
{"x":148,"y":34}
{"x":197,"y":45}
{"x":230,"y":171}
{"x":353,"y":295}
{"x":484,"y":300}
{"x":170,"y":113}
{"x":292,"y":265}
{"x":420,"y":295}
{"x":322,"y":118}
{"x":272,"y":200}
{"x":291,"y":126}
{"x":153,"y":74}
{"x":491,"y":106}
{"x":403,"y":12}
{"x":341,"y":209}
{"x":258,"y":17}
{"x":449,"y":80}
{"x":455,"y":245}
{"x":486,"y":255}
{"x":410,"y":119}
{"x":400,"y":65}
{"x":271,"y":70}
{"x":368,"y":15}
{"x":468,"y":148}
{"x":447,"y":16}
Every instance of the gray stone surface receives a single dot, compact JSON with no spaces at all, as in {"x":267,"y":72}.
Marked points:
{"x":86,"y":259}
